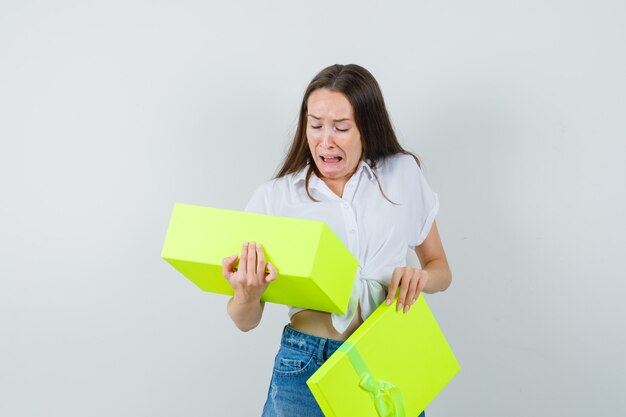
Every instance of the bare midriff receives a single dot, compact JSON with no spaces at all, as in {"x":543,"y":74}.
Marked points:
{"x":320,"y":324}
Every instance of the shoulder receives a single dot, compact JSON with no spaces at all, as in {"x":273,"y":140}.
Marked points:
{"x":269,"y":188}
{"x":398,"y":166}
{"x":276,"y":185}
{"x":402,"y":178}
{"x":270,"y":194}
{"x":260,"y":199}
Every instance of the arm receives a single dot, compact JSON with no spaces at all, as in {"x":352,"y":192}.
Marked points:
{"x":249,"y":283}
{"x":433,"y":261}
{"x":245,"y":315}
{"x":434,"y":276}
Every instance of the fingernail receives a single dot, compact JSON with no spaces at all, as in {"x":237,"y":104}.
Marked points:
{"x":251,"y":243}
{"x":245,"y":243}
{"x":399,"y":307}
{"x":406,"y":309}
{"x":388,"y":302}
{"x":258,"y":245}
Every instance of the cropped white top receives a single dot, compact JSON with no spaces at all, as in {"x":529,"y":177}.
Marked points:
{"x":377,"y":232}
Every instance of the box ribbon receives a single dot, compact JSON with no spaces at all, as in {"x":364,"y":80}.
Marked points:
{"x":386,"y":396}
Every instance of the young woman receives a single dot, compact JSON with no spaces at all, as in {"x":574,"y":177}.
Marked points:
{"x":345,"y":167}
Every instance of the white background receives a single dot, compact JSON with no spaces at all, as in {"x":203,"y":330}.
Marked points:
{"x":112,"y":111}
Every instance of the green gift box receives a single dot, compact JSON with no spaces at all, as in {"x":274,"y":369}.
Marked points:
{"x":393,"y":365}
{"x":315,"y":269}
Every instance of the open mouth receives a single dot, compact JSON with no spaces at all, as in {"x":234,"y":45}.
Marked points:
{"x":331,"y":159}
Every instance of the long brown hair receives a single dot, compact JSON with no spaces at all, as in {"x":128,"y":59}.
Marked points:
{"x":359,"y":86}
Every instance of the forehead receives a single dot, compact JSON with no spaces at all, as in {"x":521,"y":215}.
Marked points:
{"x":324,"y":103}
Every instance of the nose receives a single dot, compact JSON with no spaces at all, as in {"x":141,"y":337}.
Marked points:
{"x":328,"y":139}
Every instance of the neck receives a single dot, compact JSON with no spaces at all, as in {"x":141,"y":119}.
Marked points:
{"x":336,"y":186}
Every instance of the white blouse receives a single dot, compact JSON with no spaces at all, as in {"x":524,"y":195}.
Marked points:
{"x":375,"y":231}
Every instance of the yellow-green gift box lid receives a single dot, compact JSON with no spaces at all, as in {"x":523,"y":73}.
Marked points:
{"x":315,"y":269}
{"x":393,"y":365}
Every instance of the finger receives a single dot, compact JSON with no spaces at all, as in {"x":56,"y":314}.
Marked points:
{"x":411,"y":294}
{"x":272,"y":275}
{"x":407,"y":276}
{"x":251,"y":258}
{"x":393,"y":285}
{"x":260,"y":264}
{"x":421,"y":284}
{"x":243,"y":260}
{"x":227,"y":265}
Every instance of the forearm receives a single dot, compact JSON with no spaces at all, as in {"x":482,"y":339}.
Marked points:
{"x":439,"y":276}
{"x":245,"y":315}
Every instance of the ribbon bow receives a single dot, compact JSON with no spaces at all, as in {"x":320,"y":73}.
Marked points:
{"x":386,"y":396}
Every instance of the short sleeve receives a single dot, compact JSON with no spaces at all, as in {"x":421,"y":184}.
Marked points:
{"x":258,"y":203}
{"x":267,"y":198}
{"x":423,"y":204}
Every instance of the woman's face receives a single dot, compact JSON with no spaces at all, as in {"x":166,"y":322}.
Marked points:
{"x":332,"y":134}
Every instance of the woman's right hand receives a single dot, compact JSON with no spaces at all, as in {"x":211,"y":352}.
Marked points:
{"x":250,"y":280}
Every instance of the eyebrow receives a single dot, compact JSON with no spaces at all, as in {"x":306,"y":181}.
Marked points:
{"x":336,"y":120}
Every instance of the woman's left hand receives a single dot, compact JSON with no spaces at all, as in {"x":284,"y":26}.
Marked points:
{"x":411,"y":282}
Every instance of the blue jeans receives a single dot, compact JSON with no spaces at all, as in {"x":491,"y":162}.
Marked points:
{"x":299,"y":356}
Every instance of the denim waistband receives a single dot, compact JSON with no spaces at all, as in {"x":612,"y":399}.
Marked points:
{"x":321,"y":346}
